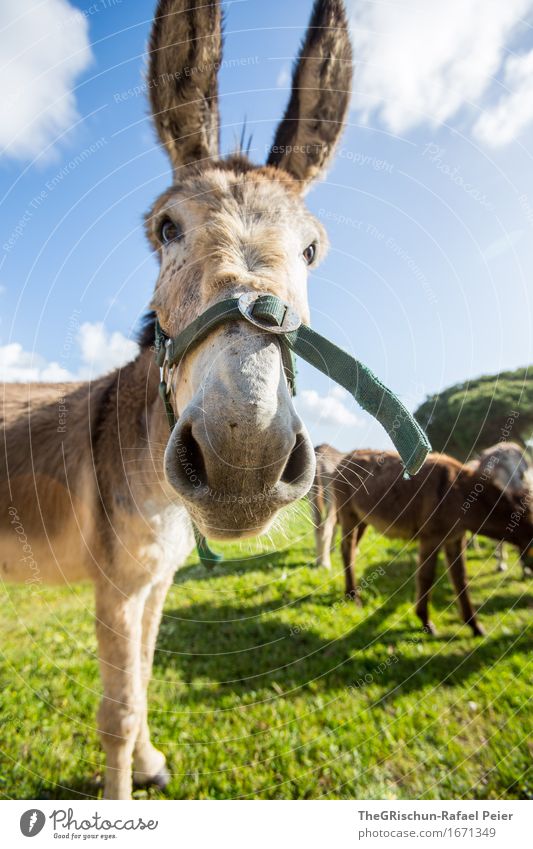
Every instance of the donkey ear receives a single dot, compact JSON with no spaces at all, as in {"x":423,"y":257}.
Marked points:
{"x":321,"y":88}
{"x":185,"y":55}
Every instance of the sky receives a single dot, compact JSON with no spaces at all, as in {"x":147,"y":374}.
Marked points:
{"x":428,"y":204}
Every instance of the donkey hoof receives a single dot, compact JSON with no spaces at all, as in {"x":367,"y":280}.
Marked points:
{"x":155,"y":771}
{"x":429,"y":628}
{"x":160,"y":779}
{"x":353,"y":595}
{"x":478,"y":630}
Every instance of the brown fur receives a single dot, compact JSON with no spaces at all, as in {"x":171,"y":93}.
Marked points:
{"x":92,"y":483}
{"x":239,"y":224}
{"x":321,"y":89}
{"x":185,"y":54}
{"x":62,"y":475}
{"x":436,"y":507}
{"x":323,"y":506}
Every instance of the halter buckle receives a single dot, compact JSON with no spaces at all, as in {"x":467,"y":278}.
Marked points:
{"x":165,"y":371}
{"x":289,"y":322}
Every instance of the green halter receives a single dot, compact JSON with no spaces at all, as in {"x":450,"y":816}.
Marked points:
{"x":273,"y":315}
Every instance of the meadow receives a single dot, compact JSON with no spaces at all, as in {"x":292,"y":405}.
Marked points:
{"x":268,"y":684}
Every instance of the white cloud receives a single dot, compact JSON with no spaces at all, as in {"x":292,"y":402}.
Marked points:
{"x":100,"y":351}
{"x":284,"y":77}
{"x":20,"y":366}
{"x":420,"y":62}
{"x":327,"y":409}
{"x":503,"y":122}
{"x":44,"y":46}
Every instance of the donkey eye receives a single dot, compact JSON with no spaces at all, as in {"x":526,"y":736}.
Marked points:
{"x":169,"y":231}
{"x":310,"y":253}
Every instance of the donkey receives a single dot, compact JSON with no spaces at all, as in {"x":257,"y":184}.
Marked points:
{"x":107,"y":494}
{"x":445,"y":500}
{"x":507,"y":464}
{"x":323,"y":505}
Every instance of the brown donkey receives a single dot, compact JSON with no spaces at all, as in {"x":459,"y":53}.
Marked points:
{"x":109,"y":496}
{"x":437,"y":507}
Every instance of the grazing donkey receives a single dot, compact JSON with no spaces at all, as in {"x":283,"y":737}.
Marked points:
{"x":437,"y":507}
{"x":88,"y":497}
{"x":507,"y":465}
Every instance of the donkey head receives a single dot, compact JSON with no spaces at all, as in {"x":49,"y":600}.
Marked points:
{"x":226,"y":227}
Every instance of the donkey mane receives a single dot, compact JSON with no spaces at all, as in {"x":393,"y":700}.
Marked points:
{"x":146,"y":332}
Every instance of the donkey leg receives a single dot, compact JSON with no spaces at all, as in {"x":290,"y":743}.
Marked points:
{"x":324,"y":535}
{"x":473,"y":542}
{"x":324,"y":519}
{"x":455,"y":558}
{"x":333,"y":537}
{"x":118,"y":629}
{"x":425,"y":578}
{"x":149,"y":764}
{"x":348,"y":547}
{"x":499,"y":553}
{"x":359,"y":531}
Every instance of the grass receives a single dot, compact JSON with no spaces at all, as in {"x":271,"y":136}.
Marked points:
{"x":267,"y":684}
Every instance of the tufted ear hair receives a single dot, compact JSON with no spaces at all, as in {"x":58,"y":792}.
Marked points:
{"x":185,"y":55}
{"x":321,"y":89}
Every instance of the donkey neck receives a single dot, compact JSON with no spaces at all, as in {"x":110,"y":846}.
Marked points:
{"x":130,"y":437}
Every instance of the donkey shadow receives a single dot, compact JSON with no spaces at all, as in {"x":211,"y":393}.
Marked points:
{"x":244,"y":648}
{"x":239,"y":648}
{"x":229,"y":566}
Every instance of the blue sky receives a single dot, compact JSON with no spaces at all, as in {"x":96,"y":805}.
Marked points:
{"x":429,"y":204}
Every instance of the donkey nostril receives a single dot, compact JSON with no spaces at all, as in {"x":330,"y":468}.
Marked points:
{"x":296,"y":465}
{"x":190,"y":458}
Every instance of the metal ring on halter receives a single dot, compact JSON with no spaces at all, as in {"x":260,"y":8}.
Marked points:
{"x":290,"y":321}
{"x":165,"y":375}
{"x":271,"y":314}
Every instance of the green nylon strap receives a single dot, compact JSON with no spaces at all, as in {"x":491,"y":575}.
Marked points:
{"x":199,"y":329}
{"x":371,"y":394}
{"x":196,"y":331}
{"x":270,"y":309}
{"x":270,"y":313}
{"x":367,"y":389}
{"x":163,"y":391}
{"x":207,"y":557}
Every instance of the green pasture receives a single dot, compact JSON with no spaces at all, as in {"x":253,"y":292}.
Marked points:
{"x":268,"y":685}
